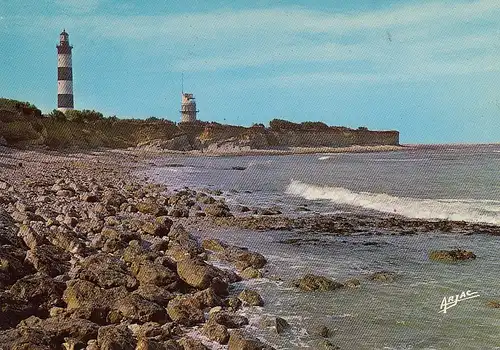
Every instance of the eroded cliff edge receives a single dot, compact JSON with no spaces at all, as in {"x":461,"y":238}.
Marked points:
{"x":23,"y":126}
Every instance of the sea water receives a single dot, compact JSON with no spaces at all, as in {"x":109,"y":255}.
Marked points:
{"x":448,"y":182}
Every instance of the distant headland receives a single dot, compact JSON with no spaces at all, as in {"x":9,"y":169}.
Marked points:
{"x":22,"y":125}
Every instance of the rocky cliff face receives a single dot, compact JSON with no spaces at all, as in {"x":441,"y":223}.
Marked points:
{"x":27,"y":130}
{"x":222,"y":137}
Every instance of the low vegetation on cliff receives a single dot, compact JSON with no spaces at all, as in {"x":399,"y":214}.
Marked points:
{"x":22,"y":125}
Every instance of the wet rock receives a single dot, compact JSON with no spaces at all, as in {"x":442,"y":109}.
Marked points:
{"x":116,"y":337}
{"x":242,"y":258}
{"x":150,"y":207}
{"x":383,"y":276}
{"x":251,"y":298}
{"x":192,"y":344}
{"x":185,"y":311}
{"x":159,"y":227}
{"x":158,"y":332}
{"x":233,"y":303}
{"x":203,"y":198}
{"x":137,"y":309}
{"x":201,"y":275}
{"x":106,"y":271}
{"x":268,"y":211}
{"x":148,"y":272}
{"x":156,"y":294}
{"x":218,"y":210}
{"x":216,"y":332}
{"x":324,"y":332}
{"x":494,"y":304}
{"x":214,"y":244}
{"x":49,"y":259}
{"x":229,"y":319}
{"x":352,"y":283}
{"x":312,"y":282}
{"x":240,"y":340}
{"x":451,"y":255}
{"x":282,"y":325}
{"x":149,"y":344}
{"x":327,"y":345}
{"x":207,"y":298}
{"x":250,"y":273}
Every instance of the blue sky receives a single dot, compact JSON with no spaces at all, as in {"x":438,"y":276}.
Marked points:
{"x":430,"y":69}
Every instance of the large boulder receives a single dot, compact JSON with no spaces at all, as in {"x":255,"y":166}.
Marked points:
{"x":228,"y":319}
{"x":312,"y":282}
{"x":27,"y":338}
{"x":282,"y":325}
{"x":216,"y":332}
{"x":40,"y":291}
{"x":159,"y":227}
{"x":116,"y":337}
{"x":242,"y":258}
{"x":51,"y":333}
{"x":13,"y":310}
{"x":192,"y":344}
{"x":451,"y":255}
{"x":49,"y":259}
{"x":240,"y":340}
{"x":201,"y":275}
{"x":251,"y":297}
{"x":89,"y":301}
{"x":185,"y":311}
{"x":154,"y":293}
{"x":218,"y":209}
{"x":158,"y":332}
{"x":383,"y":276}
{"x":30,"y":237}
{"x":214,"y":244}
{"x":183,"y":243}
{"x":135,"y":308}
{"x":106,"y":271}
{"x":12,"y":266}
{"x":148,"y":272}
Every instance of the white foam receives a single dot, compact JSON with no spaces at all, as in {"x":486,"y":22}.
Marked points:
{"x":485,"y":211}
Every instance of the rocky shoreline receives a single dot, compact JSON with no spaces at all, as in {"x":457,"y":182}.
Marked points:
{"x":92,"y":257}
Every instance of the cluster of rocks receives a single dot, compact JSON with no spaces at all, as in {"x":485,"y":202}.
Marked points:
{"x":311,"y":282}
{"x":451,"y":255}
{"x":345,"y":224}
{"x":90,"y":259}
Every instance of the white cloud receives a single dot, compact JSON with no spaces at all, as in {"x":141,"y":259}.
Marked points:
{"x":418,"y":41}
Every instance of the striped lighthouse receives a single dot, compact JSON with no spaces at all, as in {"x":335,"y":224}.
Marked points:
{"x":64,"y":74}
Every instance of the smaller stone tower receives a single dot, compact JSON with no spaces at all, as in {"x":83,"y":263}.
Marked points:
{"x":188,"y":108}
{"x":65,"y":100}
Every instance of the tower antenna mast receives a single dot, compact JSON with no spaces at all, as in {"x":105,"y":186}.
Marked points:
{"x":182,"y":83}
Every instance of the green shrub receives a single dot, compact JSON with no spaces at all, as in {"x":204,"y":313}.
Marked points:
{"x":280,"y":124}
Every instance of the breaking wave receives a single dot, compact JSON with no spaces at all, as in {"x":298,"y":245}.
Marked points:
{"x":484,"y":211}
